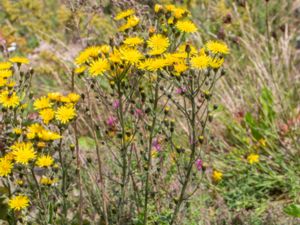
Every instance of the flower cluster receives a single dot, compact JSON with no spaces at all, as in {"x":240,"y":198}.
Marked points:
{"x":31,"y":138}
{"x":143,"y":70}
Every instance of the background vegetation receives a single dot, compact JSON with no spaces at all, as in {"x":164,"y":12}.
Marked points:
{"x":258,"y":98}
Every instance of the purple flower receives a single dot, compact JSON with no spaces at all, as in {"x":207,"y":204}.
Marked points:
{"x":199,"y":164}
{"x":138,"y":113}
{"x":181,"y":90}
{"x":156,"y":144}
{"x":116,"y":104}
{"x":111,"y":121}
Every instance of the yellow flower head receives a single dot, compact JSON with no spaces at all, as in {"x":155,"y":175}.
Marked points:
{"x":5,"y":65}
{"x":157,"y":8}
{"x":41,"y":144}
{"x":87,"y":54}
{"x":133,"y":41}
{"x":44,"y":161}
{"x":131,"y":55}
{"x":105,"y":49}
{"x":5,"y":73}
{"x":65,"y":113}
{"x":186,"y":26}
{"x":158,"y":44}
{"x":47,"y":135}
{"x":180,"y":67}
{"x":3,"y":82}
{"x":124,"y":14}
{"x":42,"y":103}
{"x":19,"y":182}
{"x":73,"y":97}
{"x":98,"y":67}
{"x":54,"y":96}
{"x":18,"y":202}
{"x":23,"y":152}
{"x":47,"y":115}
{"x":9,"y":100}
{"x":253,"y":158}
{"x":47,"y":181}
{"x":17,"y":130}
{"x":9,"y":156}
{"x":154,"y":64}
{"x":217,"y":175}
{"x":216,"y":62}
{"x":179,"y":12}
{"x":33,"y":130}
{"x":19,"y":59}
{"x":131,"y":22}
{"x":200,"y":62}
{"x":217,"y":47}
{"x":5,"y":167}
{"x":80,"y":69}
{"x":115,"y":56}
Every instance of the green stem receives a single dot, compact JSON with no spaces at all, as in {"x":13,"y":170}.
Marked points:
{"x":149,"y":152}
{"x":64,"y":173}
{"x":123,"y":153}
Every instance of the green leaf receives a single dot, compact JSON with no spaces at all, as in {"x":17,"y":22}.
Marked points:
{"x":86,"y":143}
{"x":292,"y":210}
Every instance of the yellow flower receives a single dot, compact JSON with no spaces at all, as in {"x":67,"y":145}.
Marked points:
{"x":131,"y":55}
{"x":180,"y":67}
{"x":133,"y":41}
{"x":9,"y":156}
{"x":179,"y":12}
{"x":98,"y":67}
{"x":47,"y":135}
{"x":158,"y":44}
{"x":200,"y":62}
{"x":48,"y":181}
{"x":8,"y":99}
{"x":42,"y":103}
{"x":73,"y":97}
{"x":5,"y":73}
{"x":33,"y":130}
{"x":54,"y":96}
{"x":80,"y":70}
{"x":5,"y":65}
{"x":87,"y":54}
{"x":186,"y":26}
{"x":124,"y":14}
{"x":11,"y":84}
{"x":253,"y":158}
{"x":131,"y":22}
{"x":115,"y":56}
{"x":262,"y":142}
{"x":41,"y":144}
{"x":216,"y":63}
{"x":170,"y":7}
{"x":47,"y":115}
{"x":154,"y":64}
{"x":23,"y":152}
{"x":5,"y":167}
{"x":18,"y":202}
{"x":19,"y":59}
{"x":105,"y":49}
{"x":217,"y":175}
{"x":44,"y":161}
{"x":17,"y":130}
{"x":217,"y":47}
{"x":157,"y":8}
{"x":3,"y":82}
{"x":19,"y":182}
{"x":65,"y":113}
